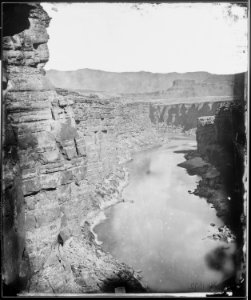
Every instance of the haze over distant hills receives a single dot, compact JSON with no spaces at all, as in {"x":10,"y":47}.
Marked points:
{"x":190,"y":84}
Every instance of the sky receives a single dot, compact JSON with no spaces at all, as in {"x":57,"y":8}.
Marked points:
{"x":159,"y":38}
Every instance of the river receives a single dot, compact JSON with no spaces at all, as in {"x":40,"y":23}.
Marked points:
{"x":161,"y":229}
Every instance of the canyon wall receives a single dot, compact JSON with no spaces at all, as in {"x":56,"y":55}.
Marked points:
{"x":221,"y":140}
{"x":221,"y":162}
{"x":61,"y":164}
{"x":184,"y":115}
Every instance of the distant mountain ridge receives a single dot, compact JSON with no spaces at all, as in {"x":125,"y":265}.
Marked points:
{"x":191,"y":83}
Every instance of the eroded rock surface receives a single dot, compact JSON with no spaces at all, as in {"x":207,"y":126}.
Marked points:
{"x":62,"y":163}
{"x":58,"y":154}
{"x":185,"y":115}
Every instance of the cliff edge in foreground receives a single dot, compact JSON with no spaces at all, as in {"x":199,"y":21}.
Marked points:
{"x":62,"y":164}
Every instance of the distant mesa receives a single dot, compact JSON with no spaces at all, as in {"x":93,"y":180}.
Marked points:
{"x":149,"y":85}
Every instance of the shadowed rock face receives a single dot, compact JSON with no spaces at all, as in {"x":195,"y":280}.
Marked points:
{"x":184,"y":115}
{"x":220,"y":160}
{"x":222,"y":141}
{"x":19,"y":12}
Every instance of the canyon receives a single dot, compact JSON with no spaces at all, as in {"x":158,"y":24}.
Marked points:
{"x":64,"y":153}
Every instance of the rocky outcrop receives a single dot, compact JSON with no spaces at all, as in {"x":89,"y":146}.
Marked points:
{"x":63,"y":158}
{"x":220,"y":160}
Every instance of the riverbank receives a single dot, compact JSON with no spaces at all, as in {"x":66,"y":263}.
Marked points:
{"x":109,"y":198}
{"x":115,"y":276}
{"x":148,"y":233}
{"x":110,"y":193}
{"x":212,"y":189}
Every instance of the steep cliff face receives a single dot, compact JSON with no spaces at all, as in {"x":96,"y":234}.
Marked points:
{"x":220,"y":160}
{"x":62,"y":163}
{"x":112,"y":130}
{"x":222,"y":142}
{"x":184,"y":115}
{"x":24,"y":54}
{"x":62,"y":158}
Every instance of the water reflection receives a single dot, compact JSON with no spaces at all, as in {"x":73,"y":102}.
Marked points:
{"x":161,"y":228}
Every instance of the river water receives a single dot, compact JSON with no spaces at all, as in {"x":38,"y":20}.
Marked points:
{"x":161,"y":229}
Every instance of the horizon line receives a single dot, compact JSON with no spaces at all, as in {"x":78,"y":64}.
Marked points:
{"x":142,"y":71}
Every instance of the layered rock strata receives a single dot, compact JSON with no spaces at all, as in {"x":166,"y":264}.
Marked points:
{"x":183,"y":115}
{"x":62,"y":164}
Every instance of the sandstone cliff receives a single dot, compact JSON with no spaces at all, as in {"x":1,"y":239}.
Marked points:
{"x":62,"y":163}
{"x":184,"y":115}
{"x":62,"y":160}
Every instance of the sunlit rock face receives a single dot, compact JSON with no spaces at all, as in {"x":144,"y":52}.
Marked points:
{"x":26,"y":117}
{"x":61,"y":164}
